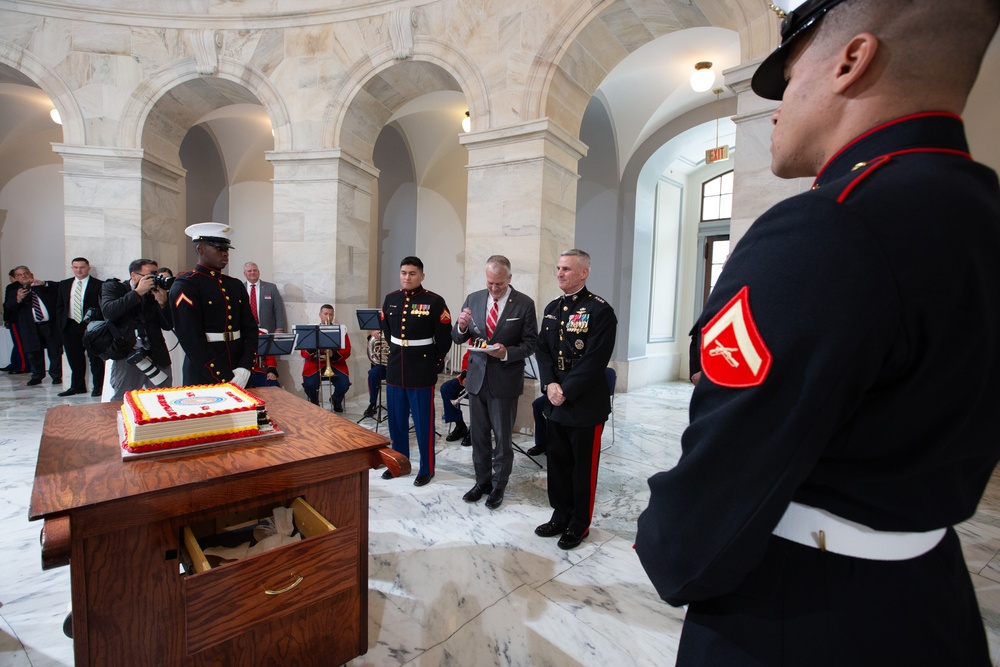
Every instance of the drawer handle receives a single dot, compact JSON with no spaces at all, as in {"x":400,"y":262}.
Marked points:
{"x":295,"y":583}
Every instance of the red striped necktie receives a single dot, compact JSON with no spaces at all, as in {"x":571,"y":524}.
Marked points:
{"x":253,"y":302}
{"x":491,"y":319}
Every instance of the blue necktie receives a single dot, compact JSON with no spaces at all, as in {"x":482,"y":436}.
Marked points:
{"x":36,"y":306}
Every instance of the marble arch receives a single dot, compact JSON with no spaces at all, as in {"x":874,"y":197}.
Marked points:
{"x":591,"y":40}
{"x":346,"y":124}
{"x":74,"y":129}
{"x":133,"y":125}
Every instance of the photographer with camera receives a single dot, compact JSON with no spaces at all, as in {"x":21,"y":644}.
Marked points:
{"x":139,"y":309}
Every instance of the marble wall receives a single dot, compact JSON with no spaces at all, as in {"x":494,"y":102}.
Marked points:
{"x":130,"y":84}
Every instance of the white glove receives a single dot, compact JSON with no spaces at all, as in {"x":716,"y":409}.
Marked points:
{"x":240,"y":377}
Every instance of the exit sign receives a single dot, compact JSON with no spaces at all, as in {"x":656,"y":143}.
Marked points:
{"x":719,"y":154}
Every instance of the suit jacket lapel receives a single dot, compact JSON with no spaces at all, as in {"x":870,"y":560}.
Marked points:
{"x":509,"y":309}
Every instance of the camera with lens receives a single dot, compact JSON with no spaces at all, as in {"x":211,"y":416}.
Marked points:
{"x":141,"y":360}
{"x":162,"y":281}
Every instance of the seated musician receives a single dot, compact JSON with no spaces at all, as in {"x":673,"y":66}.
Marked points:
{"x":265,"y":371}
{"x":450,"y":392}
{"x":327,"y":364}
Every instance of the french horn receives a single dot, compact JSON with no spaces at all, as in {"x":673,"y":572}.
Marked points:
{"x":378,"y":349}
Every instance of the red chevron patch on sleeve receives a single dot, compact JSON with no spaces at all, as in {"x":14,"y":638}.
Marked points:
{"x":733,"y":354}
{"x":183,"y":298}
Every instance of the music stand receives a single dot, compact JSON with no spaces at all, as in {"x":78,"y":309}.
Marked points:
{"x":313,"y":337}
{"x":275,"y":345}
{"x":370,"y":319}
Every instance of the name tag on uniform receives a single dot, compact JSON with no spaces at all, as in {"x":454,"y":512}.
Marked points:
{"x":578,"y":323}
{"x":420,"y":309}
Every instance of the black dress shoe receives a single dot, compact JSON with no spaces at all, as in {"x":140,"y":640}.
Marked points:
{"x":96,"y":392}
{"x":495,"y":499}
{"x":422,"y":479}
{"x":370,"y":410}
{"x":476,"y":493}
{"x":571,"y":539}
{"x":57,"y":382}
{"x":460,"y":432}
{"x":33,"y":381}
{"x":338,"y":407}
{"x":467,"y":441}
{"x":535,"y":451}
{"x":72,"y":391}
{"x":550,"y":529}
{"x":387,"y":475}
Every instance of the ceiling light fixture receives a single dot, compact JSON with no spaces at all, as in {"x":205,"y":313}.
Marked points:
{"x":56,"y":118}
{"x":703,"y":77}
{"x":467,"y":123}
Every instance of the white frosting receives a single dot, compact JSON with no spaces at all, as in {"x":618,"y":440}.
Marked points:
{"x":154,"y":416}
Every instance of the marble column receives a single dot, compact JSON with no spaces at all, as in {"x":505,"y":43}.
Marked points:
{"x":755,"y":188}
{"x":164,"y":215}
{"x":322,"y":218}
{"x":103,"y":192}
{"x":522,"y":202}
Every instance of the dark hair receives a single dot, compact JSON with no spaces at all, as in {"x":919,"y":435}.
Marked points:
{"x":164,"y":269}
{"x":412,"y":261}
{"x":12,"y":272}
{"x":136,"y":266}
{"x":326,"y":305}
{"x":80,"y":259}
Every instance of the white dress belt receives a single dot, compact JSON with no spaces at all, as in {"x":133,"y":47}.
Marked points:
{"x":411,"y":342}
{"x":823,"y":530}
{"x":225,"y":336}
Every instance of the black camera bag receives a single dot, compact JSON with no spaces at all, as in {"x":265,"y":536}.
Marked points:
{"x":104,"y":340}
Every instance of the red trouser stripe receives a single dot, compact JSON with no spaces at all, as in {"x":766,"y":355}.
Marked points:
{"x":20,"y":349}
{"x":431,"y":445}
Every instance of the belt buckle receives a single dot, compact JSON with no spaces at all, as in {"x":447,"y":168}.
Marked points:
{"x":227,"y":336}
{"x":559,"y":362}
{"x":404,"y":342}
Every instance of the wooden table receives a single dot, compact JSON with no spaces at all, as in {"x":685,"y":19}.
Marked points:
{"x":132,"y":605}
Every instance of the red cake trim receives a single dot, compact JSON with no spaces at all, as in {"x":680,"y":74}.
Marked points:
{"x":190,"y":441}
{"x":140,"y":417}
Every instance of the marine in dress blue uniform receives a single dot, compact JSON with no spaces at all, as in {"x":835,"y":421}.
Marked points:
{"x":574,"y":347}
{"x":211,"y":316}
{"x":845,"y":416}
{"x":417,"y":324}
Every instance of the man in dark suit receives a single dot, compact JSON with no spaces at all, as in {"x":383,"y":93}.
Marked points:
{"x":31,"y":304}
{"x":264,"y":300}
{"x":503,"y":319}
{"x":18,"y":359}
{"x":76,"y":296}
{"x":574,"y":348}
{"x":139,"y":310}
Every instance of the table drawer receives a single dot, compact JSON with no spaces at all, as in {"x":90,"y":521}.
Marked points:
{"x":224,"y":602}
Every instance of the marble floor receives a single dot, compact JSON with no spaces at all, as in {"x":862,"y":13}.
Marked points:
{"x":453,"y":583}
